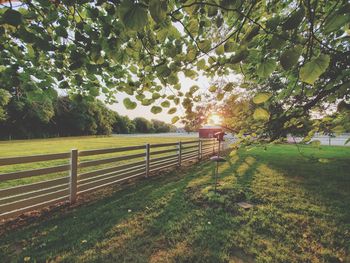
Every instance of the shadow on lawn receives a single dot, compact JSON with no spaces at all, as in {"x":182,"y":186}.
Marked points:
{"x":78,"y":230}
{"x":161,"y":225}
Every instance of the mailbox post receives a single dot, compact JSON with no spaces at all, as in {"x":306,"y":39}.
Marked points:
{"x":219,"y":137}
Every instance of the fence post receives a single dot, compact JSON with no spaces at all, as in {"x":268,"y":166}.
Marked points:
{"x":147,"y":159}
{"x":214,"y":146}
{"x":73,"y":178}
{"x":179,"y":152}
{"x":199,"y":150}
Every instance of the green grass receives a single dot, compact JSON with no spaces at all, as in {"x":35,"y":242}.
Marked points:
{"x":59,"y":145}
{"x":301,"y":214}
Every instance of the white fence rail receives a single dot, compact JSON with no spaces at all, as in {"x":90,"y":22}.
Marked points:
{"x":336,"y":140}
{"x":82,"y":176}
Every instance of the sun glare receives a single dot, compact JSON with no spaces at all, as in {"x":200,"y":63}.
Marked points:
{"x":214,"y":119}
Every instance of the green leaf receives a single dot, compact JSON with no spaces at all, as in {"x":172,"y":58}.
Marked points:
{"x":175,"y":119}
{"x":193,"y":27}
{"x":312,"y":70}
{"x":147,"y":102}
{"x":294,"y":20}
{"x":343,"y":106}
{"x":193,"y":89}
{"x":220,"y":50}
{"x":173,"y":79}
{"x":339,"y":129}
{"x":165,"y":104}
{"x":251,"y":33}
{"x":190,"y":73}
{"x":129,"y":104}
{"x":290,"y":57}
{"x":201,"y":64}
{"x":172,"y":110}
{"x":205,"y":45}
{"x":94,"y":91}
{"x":191,"y":55}
{"x":155,"y":95}
{"x":212,"y":11}
{"x":158,"y":10}
{"x":315,"y":143}
{"x":265,"y":69}
{"x":156,"y":109}
{"x":277,"y":42}
{"x":12,"y":17}
{"x":164,"y":71}
{"x":239,"y":56}
{"x":228,"y":87}
{"x":191,"y":9}
{"x":213,"y":88}
{"x":61,"y":31}
{"x":220,"y":96}
{"x":261,"y":97}
{"x":5,"y":97}
{"x":229,"y":46}
{"x":335,"y":22}
{"x":261,"y":114}
{"x":133,"y":15}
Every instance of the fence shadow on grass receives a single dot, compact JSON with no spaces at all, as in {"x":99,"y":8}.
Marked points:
{"x":78,"y":230}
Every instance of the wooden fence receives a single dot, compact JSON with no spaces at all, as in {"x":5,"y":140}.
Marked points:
{"x":81,"y":176}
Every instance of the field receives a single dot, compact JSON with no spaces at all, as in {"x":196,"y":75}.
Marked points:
{"x":301,"y":214}
{"x":55,"y":145}
{"x":59,"y":145}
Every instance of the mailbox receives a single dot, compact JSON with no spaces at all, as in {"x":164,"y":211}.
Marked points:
{"x":220,"y":136}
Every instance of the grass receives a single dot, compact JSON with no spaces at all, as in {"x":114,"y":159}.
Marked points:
{"x":301,"y":214}
{"x":59,"y":145}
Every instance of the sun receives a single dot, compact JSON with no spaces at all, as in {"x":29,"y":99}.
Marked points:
{"x":214,"y":119}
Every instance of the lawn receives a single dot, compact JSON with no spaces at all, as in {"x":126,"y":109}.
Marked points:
{"x":301,"y":214}
{"x":59,"y":145}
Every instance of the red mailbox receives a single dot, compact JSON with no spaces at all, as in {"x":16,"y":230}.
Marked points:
{"x":220,"y":136}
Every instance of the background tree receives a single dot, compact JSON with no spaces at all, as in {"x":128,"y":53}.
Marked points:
{"x":143,"y":125}
{"x":161,"y":126}
{"x":66,"y":116}
{"x":123,"y":124}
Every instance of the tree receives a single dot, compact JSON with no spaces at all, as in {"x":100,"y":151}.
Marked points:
{"x":123,"y":124}
{"x":28,"y":116}
{"x":140,"y":47}
{"x":161,"y":126}
{"x":81,"y":117}
{"x":4,"y":100}
{"x":143,"y":125}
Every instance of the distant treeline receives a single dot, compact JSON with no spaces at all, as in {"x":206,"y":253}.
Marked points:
{"x":70,"y":117}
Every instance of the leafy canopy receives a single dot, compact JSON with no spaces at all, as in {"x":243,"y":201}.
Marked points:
{"x":140,"y":47}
